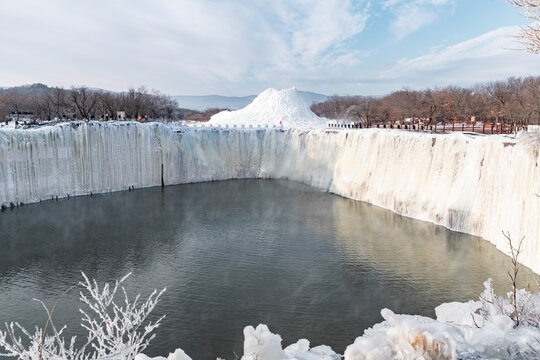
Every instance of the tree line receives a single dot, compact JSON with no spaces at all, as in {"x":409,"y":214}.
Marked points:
{"x":515,"y":100}
{"x":40,"y":102}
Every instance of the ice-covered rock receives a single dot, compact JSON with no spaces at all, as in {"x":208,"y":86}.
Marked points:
{"x":272,"y":107}
{"x":459,"y":313}
{"x":404,"y":337}
{"x":261,"y":344}
{"x":178,"y":354}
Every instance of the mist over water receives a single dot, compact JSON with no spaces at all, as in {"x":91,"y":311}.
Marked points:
{"x":307,"y":263}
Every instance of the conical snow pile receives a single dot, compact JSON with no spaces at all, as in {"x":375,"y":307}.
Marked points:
{"x":272,"y":107}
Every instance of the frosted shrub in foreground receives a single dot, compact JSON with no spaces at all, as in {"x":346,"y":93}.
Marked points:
{"x":115,"y":330}
{"x":525,"y":303}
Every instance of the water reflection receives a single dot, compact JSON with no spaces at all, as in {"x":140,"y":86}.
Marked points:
{"x":431,"y":258}
{"x":307,"y":263}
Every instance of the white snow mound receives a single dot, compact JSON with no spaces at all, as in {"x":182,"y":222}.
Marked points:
{"x":272,"y":107}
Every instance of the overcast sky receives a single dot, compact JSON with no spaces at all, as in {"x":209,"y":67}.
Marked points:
{"x":202,"y":47}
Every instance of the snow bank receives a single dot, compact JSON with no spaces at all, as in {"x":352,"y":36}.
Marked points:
{"x":479,"y":185}
{"x":418,"y":337}
{"x":453,"y":335}
{"x":480,"y":329}
{"x":405,"y":337}
{"x":272,"y":107}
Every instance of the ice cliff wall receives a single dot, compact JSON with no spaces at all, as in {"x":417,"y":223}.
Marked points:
{"x":475,"y":184}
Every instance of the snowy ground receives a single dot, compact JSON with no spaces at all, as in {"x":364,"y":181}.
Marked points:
{"x":8,"y":125}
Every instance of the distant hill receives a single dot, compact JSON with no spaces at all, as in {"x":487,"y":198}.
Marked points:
{"x":204,"y":102}
{"x":201,"y":103}
{"x":27,"y":90}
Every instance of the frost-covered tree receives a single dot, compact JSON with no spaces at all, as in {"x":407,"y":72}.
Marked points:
{"x":116,"y":330}
{"x":530,"y":35}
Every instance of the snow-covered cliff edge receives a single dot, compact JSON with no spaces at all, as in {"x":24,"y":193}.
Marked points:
{"x":475,"y":184}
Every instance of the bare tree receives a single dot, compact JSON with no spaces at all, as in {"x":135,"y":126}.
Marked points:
{"x":136,"y":101}
{"x":169,"y":107}
{"x":532,"y":85}
{"x":406,"y":103}
{"x":41,"y":107}
{"x":57,"y":98}
{"x":428,"y":105}
{"x":512,"y":274}
{"x":83,"y":100}
{"x":364,"y":110}
{"x":3,"y":110}
{"x":110,"y":104}
{"x":479,"y":103}
{"x":500,"y":96}
{"x":530,"y":34}
{"x":518,"y":107}
{"x":15,"y":102}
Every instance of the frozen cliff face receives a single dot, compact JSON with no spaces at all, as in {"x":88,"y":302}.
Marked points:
{"x":77,"y":159}
{"x":272,"y":107}
{"x":480,"y":185}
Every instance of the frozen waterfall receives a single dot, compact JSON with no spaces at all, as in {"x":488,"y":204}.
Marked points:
{"x":476,"y":184}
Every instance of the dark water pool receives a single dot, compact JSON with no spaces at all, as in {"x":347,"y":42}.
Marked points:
{"x":307,"y":263}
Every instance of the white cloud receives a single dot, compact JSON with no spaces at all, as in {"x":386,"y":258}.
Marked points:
{"x":411,"y":15}
{"x":490,"y":56}
{"x":238,"y":47}
{"x":201,"y":46}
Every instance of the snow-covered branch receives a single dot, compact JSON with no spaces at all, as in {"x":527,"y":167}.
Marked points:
{"x":115,"y":330}
{"x":530,"y":36}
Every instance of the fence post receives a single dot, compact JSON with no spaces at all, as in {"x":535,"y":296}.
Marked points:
{"x":483,"y":128}
{"x":443,"y":126}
